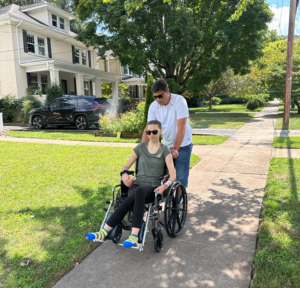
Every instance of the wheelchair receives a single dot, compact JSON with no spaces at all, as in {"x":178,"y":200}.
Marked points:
{"x":170,"y":202}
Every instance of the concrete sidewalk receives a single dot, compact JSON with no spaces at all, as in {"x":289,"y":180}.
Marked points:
{"x":218,"y":243}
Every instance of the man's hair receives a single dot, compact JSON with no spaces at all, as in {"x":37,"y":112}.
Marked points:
{"x":159,"y":85}
{"x":154,"y":122}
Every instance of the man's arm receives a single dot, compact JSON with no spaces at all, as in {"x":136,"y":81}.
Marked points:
{"x":181,"y":123}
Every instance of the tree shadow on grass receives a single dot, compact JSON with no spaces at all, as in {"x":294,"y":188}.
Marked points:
{"x":60,"y":239}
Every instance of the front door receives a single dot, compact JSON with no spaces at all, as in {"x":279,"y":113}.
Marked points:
{"x":64,"y":86}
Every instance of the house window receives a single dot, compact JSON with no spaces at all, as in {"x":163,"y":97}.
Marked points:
{"x":54,"y":20}
{"x":127,"y":71}
{"x":80,"y":56}
{"x":86,"y":88}
{"x":41,"y":46}
{"x":58,"y":22}
{"x":34,"y":79}
{"x":77,"y":56}
{"x":62,"y":23}
{"x":30,"y":43}
{"x":44,"y":81}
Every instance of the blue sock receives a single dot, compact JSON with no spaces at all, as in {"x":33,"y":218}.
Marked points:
{"x":97,"y":235}
{"x":132,"y":239}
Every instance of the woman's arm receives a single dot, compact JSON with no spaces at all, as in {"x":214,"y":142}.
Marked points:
{"x":172,"y":178}
{"x":125,"y":177}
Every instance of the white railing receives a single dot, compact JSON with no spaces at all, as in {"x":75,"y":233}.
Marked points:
{"x":1,"y":122}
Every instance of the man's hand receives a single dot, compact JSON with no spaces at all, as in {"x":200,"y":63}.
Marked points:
{"x":175,"y":153}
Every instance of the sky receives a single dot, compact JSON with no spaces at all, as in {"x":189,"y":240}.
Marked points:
{"x":280,"y":22}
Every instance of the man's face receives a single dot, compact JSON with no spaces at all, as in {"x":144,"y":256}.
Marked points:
{"x":161,"y":97}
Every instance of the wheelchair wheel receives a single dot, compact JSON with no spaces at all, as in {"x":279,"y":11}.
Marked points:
{"x":118,"y":235}
{"x":175,"y":210}
{"x":126,"y":222}
{"x":158,"y":242}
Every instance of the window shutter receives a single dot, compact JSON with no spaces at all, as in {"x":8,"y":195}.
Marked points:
{"x":28,"y":79}
{"x":73,"y":55}
{"x":75,"y":86}
{"x":25,"y":41}
{"x":49,"y":48}
{"x":91,"y":88}
{"x":90,"y":62}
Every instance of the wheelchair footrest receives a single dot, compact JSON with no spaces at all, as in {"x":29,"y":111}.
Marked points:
{"x":138,"y":246}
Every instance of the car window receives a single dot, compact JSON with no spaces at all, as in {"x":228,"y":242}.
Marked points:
{"x":67,"y":102}
{"x":101,"y":101}
{"x":55,"y":104}
{"x":83,"y":102}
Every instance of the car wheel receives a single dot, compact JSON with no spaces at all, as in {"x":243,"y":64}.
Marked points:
{"x":81,"y":123}
{"x":37,"y":122}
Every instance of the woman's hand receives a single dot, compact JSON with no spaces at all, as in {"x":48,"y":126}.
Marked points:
{"x":160,"y":189}
{"x":126,"y":180}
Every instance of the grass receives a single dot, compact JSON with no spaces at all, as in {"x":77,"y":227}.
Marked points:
{"x":277,"y":260}
{"x":281,"y":108}
{"x":286,"y":142}
{"x":197,"y":139}
{"x":51,"y":195}
{"x":225,"y":108}
{"x":221,"y":120}
{"x":294,"y":122}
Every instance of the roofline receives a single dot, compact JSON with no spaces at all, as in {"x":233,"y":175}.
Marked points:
{"x":47,"y":4}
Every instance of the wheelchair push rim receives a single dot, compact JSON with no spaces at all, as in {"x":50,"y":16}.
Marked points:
{"x":175,"y":210}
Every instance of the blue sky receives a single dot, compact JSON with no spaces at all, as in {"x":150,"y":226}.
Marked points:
{"x":280,"y":22}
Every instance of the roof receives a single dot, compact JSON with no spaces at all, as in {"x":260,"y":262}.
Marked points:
{"x":16,"y":10}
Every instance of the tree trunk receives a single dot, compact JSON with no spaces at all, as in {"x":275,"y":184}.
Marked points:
{"x":210,"y":103}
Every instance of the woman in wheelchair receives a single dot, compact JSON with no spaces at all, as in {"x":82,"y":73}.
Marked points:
{"x":152,"y":158}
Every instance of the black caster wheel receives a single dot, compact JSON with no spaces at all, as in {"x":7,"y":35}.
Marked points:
{"x":158,"y":242}
{"x":118,"y":235}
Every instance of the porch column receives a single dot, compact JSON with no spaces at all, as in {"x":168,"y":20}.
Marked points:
{"x":98,"y":87}
{"x":141,"y":93}
{"x":79,"y":84}
{"x":54,"y":76}
{"x":115,"y":93}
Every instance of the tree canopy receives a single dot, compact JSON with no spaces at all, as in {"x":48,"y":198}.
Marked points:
{"x":187,"y":43}
{"x":272,"y":67}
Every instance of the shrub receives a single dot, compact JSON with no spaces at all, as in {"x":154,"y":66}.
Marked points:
{"x":11,"y":107}
{"x":191,"y":98}
{"x":252,"y":104}
{"x":216,"y":100}
{"x":28,"y":103}
{"x":53,"y":91}
{"x":110,"y":124}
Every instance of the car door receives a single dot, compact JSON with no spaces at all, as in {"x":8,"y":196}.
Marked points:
{"x":53,"y":115}
{"x":67,"y":109}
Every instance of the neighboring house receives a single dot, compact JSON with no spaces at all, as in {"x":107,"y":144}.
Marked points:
{"x":37,"y":47}
{"x":137,"y":85}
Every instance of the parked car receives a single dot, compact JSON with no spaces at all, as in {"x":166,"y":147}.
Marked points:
{"x":81,"y":111}
{"x":107,"y":107}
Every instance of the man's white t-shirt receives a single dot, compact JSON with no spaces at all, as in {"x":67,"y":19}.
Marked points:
{"x":168,"y":116}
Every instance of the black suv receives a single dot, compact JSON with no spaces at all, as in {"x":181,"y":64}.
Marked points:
{"x":81,"y":111}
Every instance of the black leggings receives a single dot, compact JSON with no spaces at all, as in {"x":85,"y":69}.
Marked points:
{"x":138,"y":196}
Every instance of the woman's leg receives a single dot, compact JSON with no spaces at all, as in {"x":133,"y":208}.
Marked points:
{"x":116,"y":217}
{"x":142,"y":195}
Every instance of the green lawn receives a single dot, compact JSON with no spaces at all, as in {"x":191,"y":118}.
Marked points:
{"x":277,"y":261}
{"x":51,"y":196}
{"x":286,"y":142}
{"x":220,"y":120}
{"x":79,"y":136}
{"x":281,"y":108}
{"x":294,"y":122}
{"x":225,"y":108}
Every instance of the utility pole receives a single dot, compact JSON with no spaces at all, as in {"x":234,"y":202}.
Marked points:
{"x":289,"y":63}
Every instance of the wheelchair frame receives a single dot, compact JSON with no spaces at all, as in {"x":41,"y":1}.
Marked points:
{"x":153,"y":214}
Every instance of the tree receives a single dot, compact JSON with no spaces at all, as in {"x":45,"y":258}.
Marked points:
{"x":273,"y":70}
{"x":186,"y":43}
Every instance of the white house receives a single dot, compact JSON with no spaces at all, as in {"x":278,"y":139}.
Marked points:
{"x":37,"y":47}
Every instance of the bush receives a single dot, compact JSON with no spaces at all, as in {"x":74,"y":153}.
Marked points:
{"x":28,"y":103}
{"x":132,"y":121}
{"x":216,"y":100}
{"x":11,"y":108}
{"x":53,"y":91}
{"x":252,"y":104}
{"x":191,"y":98}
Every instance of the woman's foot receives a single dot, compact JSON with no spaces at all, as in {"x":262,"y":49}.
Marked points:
{"x":132,"y":239}
{"x":97,"y":235}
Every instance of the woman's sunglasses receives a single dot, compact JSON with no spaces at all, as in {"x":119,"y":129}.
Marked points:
{"x":154,"y":132}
